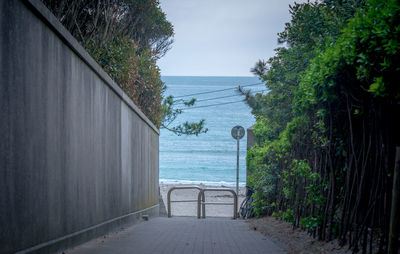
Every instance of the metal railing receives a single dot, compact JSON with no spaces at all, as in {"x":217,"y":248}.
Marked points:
{"x":202,"y":201}
{"x":177,"y":201}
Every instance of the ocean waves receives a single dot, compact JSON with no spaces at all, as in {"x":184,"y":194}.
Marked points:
{"x":211,"y":157}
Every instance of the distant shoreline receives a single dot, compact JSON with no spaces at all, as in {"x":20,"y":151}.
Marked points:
{"x":195,"y":182}
{"x":194,"y":76}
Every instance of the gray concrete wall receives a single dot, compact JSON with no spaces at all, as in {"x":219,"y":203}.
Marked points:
{"x":77,"y":158}
{"x":250,"y":143}
{"x":251,"y":140}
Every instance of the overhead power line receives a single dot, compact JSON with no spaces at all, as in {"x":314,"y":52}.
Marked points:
{"x":180,"y":101}
{"x":211,"y":105}
{"x":214,"y":91}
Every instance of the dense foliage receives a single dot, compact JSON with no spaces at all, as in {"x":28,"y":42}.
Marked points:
{"x":325,"y":148}
{"x":127,"y":37}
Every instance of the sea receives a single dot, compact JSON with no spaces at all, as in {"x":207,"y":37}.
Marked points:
{"x":209,"y":158}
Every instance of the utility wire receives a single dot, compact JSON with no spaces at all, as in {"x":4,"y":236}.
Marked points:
{"x":214,"y":91}
{"x":211,"y":105}
{"x":180,"y":101}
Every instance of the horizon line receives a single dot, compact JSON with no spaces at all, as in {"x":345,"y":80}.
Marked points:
{"x":206,"y":76}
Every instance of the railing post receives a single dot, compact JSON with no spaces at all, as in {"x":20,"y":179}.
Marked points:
{"x":203,"y":205}
{"x":169,"y":201}
{"x":199,"y":201}
{"x":235,"y":206}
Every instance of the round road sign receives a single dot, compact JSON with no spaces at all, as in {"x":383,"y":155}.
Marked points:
{"x":237,"y":132}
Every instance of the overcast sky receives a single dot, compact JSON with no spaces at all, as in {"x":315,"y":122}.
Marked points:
{"x":221,"y":37}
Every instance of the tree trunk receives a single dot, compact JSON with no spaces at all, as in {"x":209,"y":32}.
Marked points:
{"x":395,"y":212}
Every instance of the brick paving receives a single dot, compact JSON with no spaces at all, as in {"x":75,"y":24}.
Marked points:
{"x":184,"y":235}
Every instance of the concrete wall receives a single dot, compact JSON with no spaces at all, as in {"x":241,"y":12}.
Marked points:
{"x":77,"y":158}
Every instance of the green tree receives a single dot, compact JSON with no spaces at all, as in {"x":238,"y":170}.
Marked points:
{"x":325,"y":143}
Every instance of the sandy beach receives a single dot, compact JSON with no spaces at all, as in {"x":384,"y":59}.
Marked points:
{"x":190,"y":209}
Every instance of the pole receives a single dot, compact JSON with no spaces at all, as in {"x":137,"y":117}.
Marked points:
{"x":237,"y":167}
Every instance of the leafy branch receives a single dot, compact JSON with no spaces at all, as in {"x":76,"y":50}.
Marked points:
{"x":169,"y":115}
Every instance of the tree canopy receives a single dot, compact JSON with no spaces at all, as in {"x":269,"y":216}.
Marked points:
{"x":324,"y":156}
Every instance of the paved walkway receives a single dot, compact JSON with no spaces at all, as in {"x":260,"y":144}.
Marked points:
{"x":183,"y":235}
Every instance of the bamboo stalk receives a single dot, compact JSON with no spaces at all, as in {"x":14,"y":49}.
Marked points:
{"x":395,"y":211}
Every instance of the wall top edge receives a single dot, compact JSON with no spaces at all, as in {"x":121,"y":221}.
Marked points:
{"x":41,"y":11}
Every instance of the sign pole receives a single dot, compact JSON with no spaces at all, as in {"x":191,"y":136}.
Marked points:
{"x":237,"y":167}
{"x":237,"y":133}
